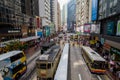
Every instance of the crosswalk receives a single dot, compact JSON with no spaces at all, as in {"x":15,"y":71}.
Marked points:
{"x":75,"y":44}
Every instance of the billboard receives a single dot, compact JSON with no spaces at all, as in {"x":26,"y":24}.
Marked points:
{"x":47,"y":31}
{"x":118,"y":28}
{"x":94,"y":10}
{"x":38,"y":22}
{"x":39,"y":33}
{"x":87,"y":28}
{"x":95,"y":28}
{"x":110,"y":28}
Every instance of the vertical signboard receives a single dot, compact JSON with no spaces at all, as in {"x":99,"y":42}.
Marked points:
{"x":87,"y":28}
{"x":39,"y":33}
{"x":38,"y":22}
{"x":47,"y":31}
{"x":102,"y":40}
{"x":118,"y":28}
{"x":110,"y":28}
{"x":97,"y":30}
{"x":93,"y":28}
{"x":94,"y":10}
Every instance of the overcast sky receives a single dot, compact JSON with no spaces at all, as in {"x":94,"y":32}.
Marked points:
{"x":62,"y":2}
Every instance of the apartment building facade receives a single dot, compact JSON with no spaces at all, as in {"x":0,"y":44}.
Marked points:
{"x":54,"y":13}
{"x":82,"y":13}
{"x":59,"y":16}
{"x":44,"y":12}
{"x":71,"y":15}
{"x":10,"y":19}
{"x":15,"y":17}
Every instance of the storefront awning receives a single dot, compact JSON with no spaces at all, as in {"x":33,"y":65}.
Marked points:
{"x":113,"y":44}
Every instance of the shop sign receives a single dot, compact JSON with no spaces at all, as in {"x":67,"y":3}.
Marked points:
{"x":110,"y":28}
{"x":102,"y":41}
{"x":87,"y":28}
{"x":107,"y":46}
{"x":95,"y":28}
{"x":118,"y":28}
{"x":94,"y":10}
{"x":13,"y":31}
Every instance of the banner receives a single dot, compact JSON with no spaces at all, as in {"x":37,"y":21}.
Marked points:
{"x":95,"y":28}
{"x":94,"y":10}
{"x":87,"y":28}
{"x":118,"y":28}
{"x":110,"y":28}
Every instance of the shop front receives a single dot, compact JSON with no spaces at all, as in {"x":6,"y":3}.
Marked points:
{"x":115,"y":54}
{"x":113,"y":49}
{"x":106,"y":51}
{"x":115,"y":57}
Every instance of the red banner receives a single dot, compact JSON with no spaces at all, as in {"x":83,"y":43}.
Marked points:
{"x":38,"y":22}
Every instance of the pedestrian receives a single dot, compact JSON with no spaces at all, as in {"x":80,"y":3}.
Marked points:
{"x":1,"y":78}
{"x":111,"y":69}
{"x":118,"y":73}
{"x":114,"y":70}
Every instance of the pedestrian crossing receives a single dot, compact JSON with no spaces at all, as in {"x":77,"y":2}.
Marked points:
{"x":74,"y":44}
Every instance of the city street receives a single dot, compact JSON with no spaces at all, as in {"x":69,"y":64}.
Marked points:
{"x":30,"y":66}
{"x":29,"y":28}
{"x":78,"y":69}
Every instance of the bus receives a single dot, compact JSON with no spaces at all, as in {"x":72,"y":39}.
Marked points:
{"x":94,"y":61}
{"x":13,"y":65}
{"x":47,"y":63}
{"x":46,"y":46}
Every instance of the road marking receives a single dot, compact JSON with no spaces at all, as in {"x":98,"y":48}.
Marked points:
{"x":99,"y":77}
{"x":79,"y":77}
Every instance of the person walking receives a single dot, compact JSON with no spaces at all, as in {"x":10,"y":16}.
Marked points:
{"x":1,"y":78}
{"x":118,"y":74}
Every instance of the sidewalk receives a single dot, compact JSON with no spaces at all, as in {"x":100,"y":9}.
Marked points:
{"x":30,"y":64}
{"x":29,"y":52}
{"x":36,"y":54}
{"x":32,"y":53}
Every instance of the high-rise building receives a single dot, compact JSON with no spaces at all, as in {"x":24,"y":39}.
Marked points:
{"x":64,"y":17}
{"x":44,"y":12}
{"x":30,"y":11}
{"x":10,"y":19}
{"x":54,"y":18}
{"x":82,"y":12}
{"x":15,"y":18}
{"x":58,"y":16}
{"x":71,"y":15}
